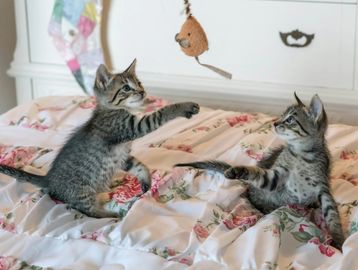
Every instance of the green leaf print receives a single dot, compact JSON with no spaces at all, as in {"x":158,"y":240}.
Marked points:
{"x":181,"y":190}
{"x":78,"y":216}
{"x":122,"y":213}
{"x":184,"y":196}
{"x":353,"y":228}
{"x":165,"y":198}
{"x":302,"y":236}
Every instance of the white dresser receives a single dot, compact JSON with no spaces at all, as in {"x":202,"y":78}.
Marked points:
{"x":272,"y":48}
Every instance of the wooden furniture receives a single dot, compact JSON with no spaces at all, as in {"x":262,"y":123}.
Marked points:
{"x":273,"y":48}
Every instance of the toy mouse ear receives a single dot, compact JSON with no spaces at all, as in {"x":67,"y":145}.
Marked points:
{"x":103,"y":76}
{"x":131,"y":68}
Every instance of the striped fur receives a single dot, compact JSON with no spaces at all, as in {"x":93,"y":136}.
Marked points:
{"x":297,"y":173}
{"x":83,"y":171}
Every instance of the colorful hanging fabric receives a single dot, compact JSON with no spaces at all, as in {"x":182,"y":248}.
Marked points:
{"x":75,"y":29}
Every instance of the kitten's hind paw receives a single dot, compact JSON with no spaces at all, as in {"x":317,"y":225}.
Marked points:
{"x":145,"y":187}
{"x":237,"y":173}
{"x":337,"y":245}
{"x":338,"y":242}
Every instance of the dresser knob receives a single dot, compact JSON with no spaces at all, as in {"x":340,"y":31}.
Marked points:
{"x":296,"y":35}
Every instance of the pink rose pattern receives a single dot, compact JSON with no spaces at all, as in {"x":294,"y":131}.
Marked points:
{"x":6,"y":263}
{"x":200,"y":231}
{"x":157,"y":180}
{"x":353,"y":179}
{"x":25,"y":122}
{"x":6,"y":225}
{"x":95,"y":236}
{"x":242,"y":216}
{"x":20,"y":156}
{"x":201,"y":128}
{"x":17,"y":157}
{"x":349,"y":155}
{"x":254,"y":151}
{"x":239,"y":119}
{"x":129,"y":188}
{"x":12,"y":263}
{"x":323,"y":248}
{"x":238,"y":221}
{"x":179,"y":147}
{"x":186,"y":260}
{"x":169,"y":253}
{"x":254,"y":155}
{"x":88,"y":103}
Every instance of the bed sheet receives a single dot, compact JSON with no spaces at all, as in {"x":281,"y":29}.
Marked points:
{"x":190,"y":219}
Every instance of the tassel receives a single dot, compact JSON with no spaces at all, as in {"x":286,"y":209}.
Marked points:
{"x":219,"y":71}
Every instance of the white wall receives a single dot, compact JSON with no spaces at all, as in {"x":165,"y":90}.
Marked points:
{"x":7,"y":47}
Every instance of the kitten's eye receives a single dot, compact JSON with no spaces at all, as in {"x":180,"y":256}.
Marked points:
{"x":126,"y":88}
{"x":290,"y":120}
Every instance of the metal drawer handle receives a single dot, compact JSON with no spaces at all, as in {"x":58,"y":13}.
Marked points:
{"x":296,"y":34}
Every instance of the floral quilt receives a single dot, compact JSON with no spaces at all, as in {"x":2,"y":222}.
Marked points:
{"x":190,"y":219}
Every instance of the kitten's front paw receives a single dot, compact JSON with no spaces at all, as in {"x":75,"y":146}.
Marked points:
{"x":338,"y":240}
{"x":337,"y":245}
{"x":190,"y":108}
{"x":237,"y":173}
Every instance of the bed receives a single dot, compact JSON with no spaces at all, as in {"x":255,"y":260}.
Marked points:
{"x":190,"y":219}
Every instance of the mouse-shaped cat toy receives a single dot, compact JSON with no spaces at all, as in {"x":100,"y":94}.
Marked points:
{"x":193,"y":41}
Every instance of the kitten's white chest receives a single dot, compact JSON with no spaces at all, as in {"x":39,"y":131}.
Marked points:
{"x":298,"y":186}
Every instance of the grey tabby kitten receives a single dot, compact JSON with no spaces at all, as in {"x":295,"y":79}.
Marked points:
{"x":82,"y":172}
{"x":297,"y":173}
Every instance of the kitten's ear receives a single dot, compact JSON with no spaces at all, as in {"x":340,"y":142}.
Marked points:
{"x":103,"y":76}
{"x":299,"y":102}
{"x":316,"y":109}
{"x":131,"y":68}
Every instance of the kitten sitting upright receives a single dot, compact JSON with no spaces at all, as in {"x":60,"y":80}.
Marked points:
{"x":82,"y":172}
{"x":297,"y":173}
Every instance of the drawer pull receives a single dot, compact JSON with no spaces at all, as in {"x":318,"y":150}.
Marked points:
{"x":296,"y":35}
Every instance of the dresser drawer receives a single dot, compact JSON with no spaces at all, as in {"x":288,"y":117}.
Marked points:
{"x":51,"y":87}
{"x":41,"y":46}
{"x":257,"y":52}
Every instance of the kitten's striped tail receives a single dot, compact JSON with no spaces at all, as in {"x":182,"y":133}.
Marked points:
{"x":212,"y":165}
{"x":22,"y":176}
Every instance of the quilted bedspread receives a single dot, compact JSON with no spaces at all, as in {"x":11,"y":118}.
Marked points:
{"x":190,"y":219}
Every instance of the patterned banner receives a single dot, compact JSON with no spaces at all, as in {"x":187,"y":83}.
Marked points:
{"x":75,"y":29}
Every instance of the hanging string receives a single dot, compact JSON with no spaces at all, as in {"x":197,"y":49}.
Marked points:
{"x":187,"y":8}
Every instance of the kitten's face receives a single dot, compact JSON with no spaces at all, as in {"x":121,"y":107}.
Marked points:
{"x":119,"y":90}
{"x":299,"y":123}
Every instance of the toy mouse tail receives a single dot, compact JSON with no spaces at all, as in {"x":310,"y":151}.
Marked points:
{"x":219,"y":71}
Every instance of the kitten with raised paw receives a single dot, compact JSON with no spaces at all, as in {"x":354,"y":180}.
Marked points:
{"x":296,"y":173}
{"x":82,"y":173}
